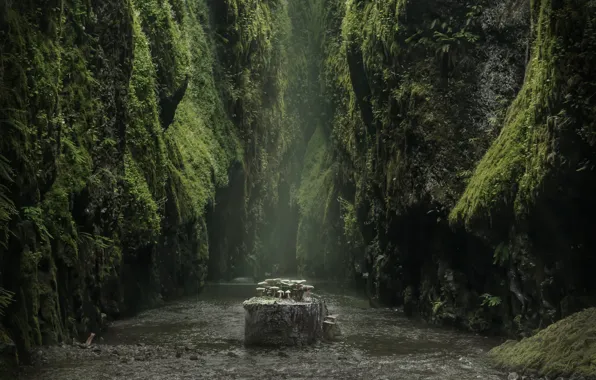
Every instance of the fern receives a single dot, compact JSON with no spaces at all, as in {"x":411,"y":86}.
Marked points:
{"x":7,"y":208}
{"x":6,"y":297}
{"x":97,"y":242}
{"x":437,"y":305}
{"x":34,"y":214}
{"x":490,"y":300}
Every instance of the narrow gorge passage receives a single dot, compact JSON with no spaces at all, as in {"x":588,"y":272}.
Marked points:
{"x":438,"y":156}
{"x":202,"y":338}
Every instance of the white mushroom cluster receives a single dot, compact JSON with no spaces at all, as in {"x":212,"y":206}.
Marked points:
{"x":283,"y":288}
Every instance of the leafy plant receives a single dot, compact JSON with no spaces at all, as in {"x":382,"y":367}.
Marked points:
{"x":501,"y":254}
{"x":7,"y":208}
{"x":437,"y":305}
{"x":34,"y":214}
{"x":6,"y":297}
{"x":490,"y":300}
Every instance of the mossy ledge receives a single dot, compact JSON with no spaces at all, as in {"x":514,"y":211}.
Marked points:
{"x":566,"y":348}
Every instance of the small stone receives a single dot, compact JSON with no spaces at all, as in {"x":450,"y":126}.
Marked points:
{"x":141,"y":344}
{"x":232,"y":354}
{"x":283,"y":354}
{"x":97,"y":350}
{"x":513,"y":376}
{"x":188,"y":347}
{"x":194,"y":357}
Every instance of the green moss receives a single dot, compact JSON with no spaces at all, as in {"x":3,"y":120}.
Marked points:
{"x":510,"y":176}
{"x":564,"y":348}
{"x":169,"y":46}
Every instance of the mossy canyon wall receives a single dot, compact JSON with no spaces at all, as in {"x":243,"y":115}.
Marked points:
{"x":460,"y":157}
{"x":438,"y":153}
{"x":134,"y":134}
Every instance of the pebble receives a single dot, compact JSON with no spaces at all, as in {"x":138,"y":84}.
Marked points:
{"x":513,"y":376}
{"x":232,"y":354}
{"x":194,"y":357}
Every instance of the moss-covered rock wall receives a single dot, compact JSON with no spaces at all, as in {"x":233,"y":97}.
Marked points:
{"x":123,"y":124}
{"x":437,"y":152}
{"x":455,"y":171}
{"x":418,"y":91}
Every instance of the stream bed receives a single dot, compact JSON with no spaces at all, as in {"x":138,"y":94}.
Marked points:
{"x":202,"y":338}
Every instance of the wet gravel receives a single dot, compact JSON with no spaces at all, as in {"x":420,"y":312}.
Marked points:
{"x":202,"y":338}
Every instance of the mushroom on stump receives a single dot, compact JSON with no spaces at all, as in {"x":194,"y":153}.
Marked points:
{"x":288,"y":293}
{"x":308,"y":288}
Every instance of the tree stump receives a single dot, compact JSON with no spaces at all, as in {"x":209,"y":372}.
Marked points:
{"x":331,"y":329}
{"x":283,"y":322}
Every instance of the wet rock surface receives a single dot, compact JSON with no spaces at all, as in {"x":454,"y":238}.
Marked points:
{"x":202,"y":338}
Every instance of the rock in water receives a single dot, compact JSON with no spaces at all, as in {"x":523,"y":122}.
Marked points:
{"x":283,"y":322}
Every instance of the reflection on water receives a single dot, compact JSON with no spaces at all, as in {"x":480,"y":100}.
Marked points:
{"x":202,"y":337}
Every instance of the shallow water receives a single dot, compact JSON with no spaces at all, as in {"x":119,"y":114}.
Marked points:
{"x":202,"y":337}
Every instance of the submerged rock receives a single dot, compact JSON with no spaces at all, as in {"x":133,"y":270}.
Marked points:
{"x":283,"y":322}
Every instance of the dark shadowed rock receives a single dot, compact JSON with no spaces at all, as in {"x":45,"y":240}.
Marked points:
{"x":283,"y":322}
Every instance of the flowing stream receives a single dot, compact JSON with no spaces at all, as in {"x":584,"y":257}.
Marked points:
{"x":202,"y":337}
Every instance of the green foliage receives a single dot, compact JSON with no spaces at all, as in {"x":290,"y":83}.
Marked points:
{"x":501,"y":255}
{"x":7,"y":208}
{"x":6,"y":297}
{"x":35,"y":215}
{"x":437,"y":306}
{"x":169,"y":45}
{"x":490,"y":300}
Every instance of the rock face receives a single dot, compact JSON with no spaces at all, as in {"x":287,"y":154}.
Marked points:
{"x":283,"y":322}
{"x":8,"y":356}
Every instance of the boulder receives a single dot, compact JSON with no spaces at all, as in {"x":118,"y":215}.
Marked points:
{"x":283,"y":322}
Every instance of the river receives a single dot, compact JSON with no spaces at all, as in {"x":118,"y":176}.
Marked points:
{"x":202,"y":338}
